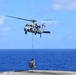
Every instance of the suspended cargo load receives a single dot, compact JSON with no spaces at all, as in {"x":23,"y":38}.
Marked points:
{"x":32,"y":64}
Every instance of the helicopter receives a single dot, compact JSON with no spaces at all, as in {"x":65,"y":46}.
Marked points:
{"x":33,"y":27}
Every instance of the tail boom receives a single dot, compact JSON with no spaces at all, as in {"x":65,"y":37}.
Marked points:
{"x":47,"y":32}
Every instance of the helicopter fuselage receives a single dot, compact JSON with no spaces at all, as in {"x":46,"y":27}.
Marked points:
{"x":32,"y":29}
{"x":36,"y":29}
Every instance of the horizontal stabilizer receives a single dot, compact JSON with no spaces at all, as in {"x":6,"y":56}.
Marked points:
{"x":46,"y":31}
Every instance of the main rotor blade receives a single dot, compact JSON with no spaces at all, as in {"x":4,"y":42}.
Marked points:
{"x":22,"y":19}
{"x":47,"y":20}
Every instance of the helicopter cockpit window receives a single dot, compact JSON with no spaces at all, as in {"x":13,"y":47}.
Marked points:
{"x":31,"y":25}
{"x":26,"y":25}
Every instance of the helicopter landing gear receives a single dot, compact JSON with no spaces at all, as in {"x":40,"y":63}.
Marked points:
{"x":40,"y":35}
{"x":25,"y":32}
{"x":35,"y":33}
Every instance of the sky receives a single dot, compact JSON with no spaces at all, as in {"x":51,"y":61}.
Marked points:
{"x":62,"y":26}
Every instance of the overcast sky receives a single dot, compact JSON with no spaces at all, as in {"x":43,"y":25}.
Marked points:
{"x":62,"y":27}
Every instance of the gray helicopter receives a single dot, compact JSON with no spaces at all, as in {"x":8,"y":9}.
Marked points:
{"x":33,"y":27}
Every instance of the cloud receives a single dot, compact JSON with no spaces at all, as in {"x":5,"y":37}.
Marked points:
{"x":3,"y":32}
{"x":64,"y":4}
{"x":2,"y":18}
{"x":5,"y":29}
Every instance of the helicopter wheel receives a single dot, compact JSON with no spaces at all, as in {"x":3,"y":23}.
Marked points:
{"x":35,"y":33}
{"x":25,"y":32}
{"x":40,"y":35}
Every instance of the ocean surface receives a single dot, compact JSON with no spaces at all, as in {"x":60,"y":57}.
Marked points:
{"x":46,"y":59}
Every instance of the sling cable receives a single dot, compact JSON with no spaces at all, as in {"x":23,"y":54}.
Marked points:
{"x":32,"y":63}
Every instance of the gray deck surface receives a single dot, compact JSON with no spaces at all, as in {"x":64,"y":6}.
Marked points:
{"x":38,"y":72}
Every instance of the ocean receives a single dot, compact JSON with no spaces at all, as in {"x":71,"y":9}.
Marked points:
{"x":46,"y":59}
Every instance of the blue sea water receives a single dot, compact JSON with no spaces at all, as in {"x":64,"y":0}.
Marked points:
{"x":46,"y":59}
